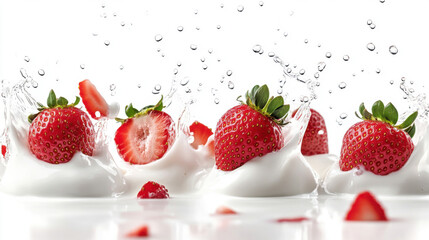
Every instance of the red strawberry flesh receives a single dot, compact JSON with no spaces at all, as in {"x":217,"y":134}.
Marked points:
{"x":142,"y":231}
{"x":146,"y":138}
{"x":153,"y":190}
{"x":200,"y":132}
{"x":93,"y":100}
{"x":315,"y":139}
{"x":3,"y":150}
{"x":56,"y":134}
{"x":223,"y":210}
{"x":377,"y":146}
{"x":243,"y":133}
{"x":366,"y":208}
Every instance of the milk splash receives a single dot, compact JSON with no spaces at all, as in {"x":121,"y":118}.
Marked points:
{"x":24,"y":174}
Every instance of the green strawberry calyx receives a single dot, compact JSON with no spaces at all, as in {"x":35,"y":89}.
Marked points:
{"x":132,"y":112}
{"x":272,"y":107}
{"x":389,"y":115}
{"x":53,"y":102}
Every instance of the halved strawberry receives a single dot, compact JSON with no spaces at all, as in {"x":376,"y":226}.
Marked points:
{"x":142,"y":231}
{"x":153,"y":190}
{"x":146,"y":135}
{"x":225,"y":210}
{"x":93,"y":100}
{"x":366,"y":208}
{"x":200,"y":132}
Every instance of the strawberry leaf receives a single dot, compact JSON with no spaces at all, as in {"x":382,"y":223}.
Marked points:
{"x":390,"y":113}
{"x":52,"y":99}
{"x":410,"y":119}
{"x":253,"y":93}
{"x":280,"y":112}
{"x":159,"y":106}
{"x":361,"y":108}
{"x":411,"y":130}
{"x":130,"y":111}
{"x":32,"y":117}
{"x":62,"y":101}
{"x":261,"y":96}
{"x":274,"y":104}
{"x":378,"y":109}
{"x":76,"y":101}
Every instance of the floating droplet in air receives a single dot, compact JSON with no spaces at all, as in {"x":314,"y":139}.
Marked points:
{"x":229,"y":73}
{"x":240,"y":8}
{"x":193,"y":47}
{"x":342,"y":85}
{"x":184,"y":81}
{"x":107,"y":42}
{"x":346,"y":58}
{"x":328,"y":55}
{"x":82,"y":66}
{"x":257,"y":48}
{"x":393,"y":50}
{"x":41,"y":72}
{"x":27,"y":59}
{"x":230,"y":85}
{"x":321,"y":66}
{"x":370,"y":46}
{"x":180,"y":28}
{"x":158,"y":37}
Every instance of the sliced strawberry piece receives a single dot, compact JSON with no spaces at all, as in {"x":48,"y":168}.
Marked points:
{"x":3,"y":150}
{"x":146,"y":138}
{"x":366,"y":208}
{"x":225,"y":210}
{"x":201,"y":133}
{"x":296,"y":219}
{"x":142,"y":231}
{"x":93,"y":100}
{"x":153,"y":190}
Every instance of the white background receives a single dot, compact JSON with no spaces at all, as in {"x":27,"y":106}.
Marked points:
{"x":60,"y":36}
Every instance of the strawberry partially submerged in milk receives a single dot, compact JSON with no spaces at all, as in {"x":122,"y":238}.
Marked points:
{"x":250,"y":129}
{"x":146,"y":135}
{"x":60,"y":130}
{"x":377,"y":143}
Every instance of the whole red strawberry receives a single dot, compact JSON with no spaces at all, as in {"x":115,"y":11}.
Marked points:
{"x":376,"y":143}
{"x":58,"y":131}
{"x":315,"y":140}
{"x":250,"y":129}
{"x":146,"y":135}
{"x":153,"y":190}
